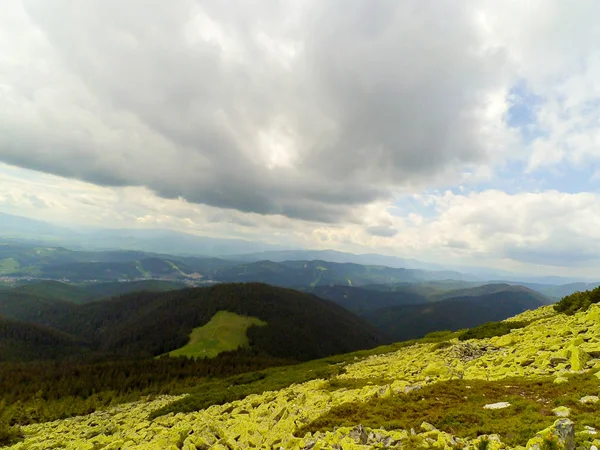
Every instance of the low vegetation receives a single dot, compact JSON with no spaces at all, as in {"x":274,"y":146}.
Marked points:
{"x":456,"y":407}
{"x":491,"y":329}
{"x":45,"y":391}
{"x":578,"y":301}
{"x":226,"y":331}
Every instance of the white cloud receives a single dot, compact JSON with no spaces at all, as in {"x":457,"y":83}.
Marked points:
{"x":307,"y":122}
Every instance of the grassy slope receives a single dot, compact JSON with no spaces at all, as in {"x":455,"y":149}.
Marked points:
{"x":368,"y":387}
{"x":226,"y":331}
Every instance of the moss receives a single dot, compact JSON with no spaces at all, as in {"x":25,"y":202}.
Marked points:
{"x":9,"y":434}
{"x":491,"y":329}
{"x":456,"y":407}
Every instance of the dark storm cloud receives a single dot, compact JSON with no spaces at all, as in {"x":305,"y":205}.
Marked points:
{"x":360,"y":98}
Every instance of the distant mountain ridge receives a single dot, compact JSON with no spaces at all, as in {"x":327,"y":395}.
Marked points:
{"x":174,"y":243}
{"x":453,"y":313}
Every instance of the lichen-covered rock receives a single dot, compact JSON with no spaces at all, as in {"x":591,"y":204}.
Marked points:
{"x":579,"y":358}
{"x":270,"y":419}
{"x":561,"y":411}
{"x":499,"y":405}
{"x":562,"y":432}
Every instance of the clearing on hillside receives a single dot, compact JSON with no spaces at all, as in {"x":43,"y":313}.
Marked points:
{"x":226,"y":331}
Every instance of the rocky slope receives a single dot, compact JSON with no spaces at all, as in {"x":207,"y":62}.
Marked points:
{"x":554,"y":348}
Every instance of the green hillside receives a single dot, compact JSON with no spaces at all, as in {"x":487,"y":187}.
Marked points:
{"x":31,"y":308}
{"x":112,"y":289}
{"x":55,"y":290}
{"x":412,"y":395}
{"x":20,"y":341}
{"x":224,"y":332}
{"x":144,"y":324}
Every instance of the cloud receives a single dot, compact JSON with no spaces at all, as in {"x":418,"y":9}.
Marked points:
{"x":286,"y":109}
{"x":382,"y":231}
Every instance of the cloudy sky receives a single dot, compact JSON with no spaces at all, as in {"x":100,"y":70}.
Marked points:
{"x":447,"y":131}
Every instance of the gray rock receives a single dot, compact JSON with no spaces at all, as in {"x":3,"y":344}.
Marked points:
{"x":565,"y":428}
{"x":555,"y":361}
{"x":359,"y":434}
{"x":589,"y":399}
{"x":499,"y":405}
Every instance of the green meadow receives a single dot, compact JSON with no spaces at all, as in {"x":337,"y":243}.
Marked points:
{"x":226,"y":331}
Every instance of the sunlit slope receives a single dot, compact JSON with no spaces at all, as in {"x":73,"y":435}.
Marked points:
{"x":226,"y":331}
{"x":553,"y":348}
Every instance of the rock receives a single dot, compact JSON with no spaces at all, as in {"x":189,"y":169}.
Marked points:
{"x":561,"y":411}
{"x":428,"y":427}
{"x":415,"y":387}
{"x":556,"y":360}
{"x":359,"y":435}
{"x":499,"y":405}
{"x":589,"y":430}
{"x":589,"y":399}
{"x":578,"y":359}
{"x":562,"y":432}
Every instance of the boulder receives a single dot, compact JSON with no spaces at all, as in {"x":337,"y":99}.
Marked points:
{"x":359,"y":435}
{"x":589,"y":399}
{"x":499,"y":405}
{"x":562,"y":432}
{"x":561,"y":411}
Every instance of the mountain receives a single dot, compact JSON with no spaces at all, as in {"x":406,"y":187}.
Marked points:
{"x":55,"y":290}
{"x":21,"y":341}
{"x":112,"y":289}
{"x":500,"y":391}
{"x":491,"y":288}
{"x":369,"y":259}
{"x":454,"y":313}
{"x":362,"y":300}
{"x":29,"y":307}
{"x":301,"y":274}
{"x":168,"y":241}
{"x":17,"y":227}
{"x":556,"y":292}
{"x":299,"y":326}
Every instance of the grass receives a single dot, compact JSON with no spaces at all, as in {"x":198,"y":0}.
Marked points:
{"x":226,"y":331}
{"x":143,"y":272}
{"x":491,"y":329}
{"x":456,"y":407}
{"x":9,"y":265}
{"x":221,"y":391}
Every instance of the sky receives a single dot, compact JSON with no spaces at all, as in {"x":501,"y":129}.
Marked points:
{"x":452,"y":132}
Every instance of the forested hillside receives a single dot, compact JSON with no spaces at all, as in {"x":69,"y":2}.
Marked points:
{"x":413,"y":321}
{"x":300,"y":326}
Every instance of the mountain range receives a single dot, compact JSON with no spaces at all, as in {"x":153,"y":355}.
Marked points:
{"x":156,"y":241}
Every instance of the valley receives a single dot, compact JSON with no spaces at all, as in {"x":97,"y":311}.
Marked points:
{"x":86,"y":331}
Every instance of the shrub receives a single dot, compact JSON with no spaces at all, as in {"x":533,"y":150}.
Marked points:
{"x":9,"y":434}
{"x":578,"y":301}
{"x":491,"y":329}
